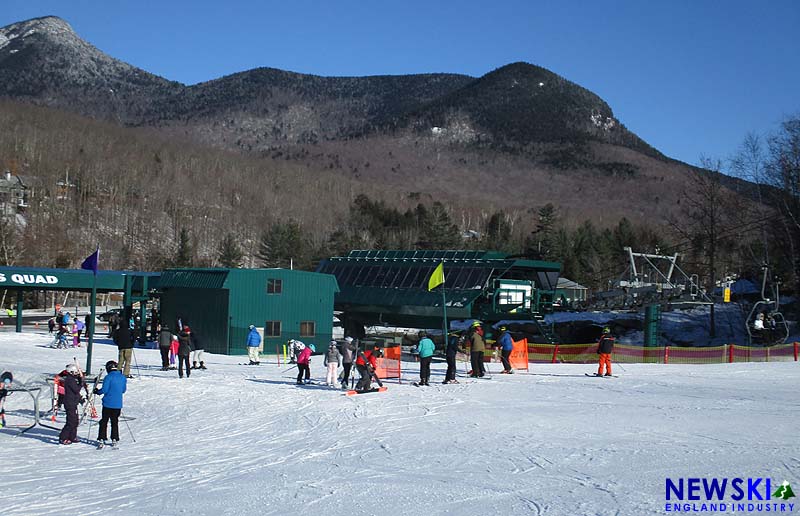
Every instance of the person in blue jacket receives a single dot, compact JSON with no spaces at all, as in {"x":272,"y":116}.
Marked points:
{"x":506,"y":345}
{"x":253,"y":342}
{"x":114,"y":386}
{"x":425,"y":348}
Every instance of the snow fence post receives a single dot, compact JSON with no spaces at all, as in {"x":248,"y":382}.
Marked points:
{"x":795,"y":351}
{"x":666,"y":354}
{"x":730,"y":353}
{"x":555,"y":353}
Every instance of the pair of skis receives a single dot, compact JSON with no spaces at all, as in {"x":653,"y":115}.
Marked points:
{"x":595,"y":375}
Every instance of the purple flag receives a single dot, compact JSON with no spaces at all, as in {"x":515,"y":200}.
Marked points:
{"x":91,"y":263}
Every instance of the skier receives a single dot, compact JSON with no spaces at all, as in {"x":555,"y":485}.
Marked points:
{"x":604,"y":348}
{"x":72,"y":397}
{"x":333,"y":360}
{"x":197,"y":352}
{"x":425,"y":348}
{"x":114,"y":386}
{"x":173,"y":351}
{"x":450,"y":353}
{"x":477,"y":348}
{"x":303,"y":363}
{"x":5,"y":384}
{"x":507,"y":345}
{"x":366,"y":363}
{"x":184,"y":350}
{"x":294,"y":349}
{"x":164,"y":343}
{"x":348,"y":353}
{"x":253,"y":342}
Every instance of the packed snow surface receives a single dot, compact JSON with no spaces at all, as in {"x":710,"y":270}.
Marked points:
{"x":238,"y":439}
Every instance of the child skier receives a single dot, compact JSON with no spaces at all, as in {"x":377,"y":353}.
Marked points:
{"x":507,"y":346}
{"x":114,"y":386}
{"x":303,"y":363}
{"x":366,"y":363}
{"x":173,"y":351}
{"x":332,"y":360}
{"x":72,"y":397}
{"x":604,"y":348}
{"x":425,"y":348}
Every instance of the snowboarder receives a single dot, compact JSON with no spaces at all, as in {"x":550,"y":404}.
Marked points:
{"x":507,"y":346}
{"x":477,"y":348}
{"x":366,"y":363}
{"x":348,"y":354}
{"x":303,"y":363}
{"x":184,"y":350}
{"x":425,"y":348}
{"x":333,"y":360}
{"x":253,"y":342}
{"x":72,"y":397}
{"x":604,"y":348}
{"x":114,"y":386}
{"x":164,"y":343}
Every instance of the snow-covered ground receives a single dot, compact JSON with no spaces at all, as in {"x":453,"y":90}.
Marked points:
{"x":245,"y":440}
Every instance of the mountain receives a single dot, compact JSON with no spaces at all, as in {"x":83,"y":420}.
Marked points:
{"x":238,"y":153}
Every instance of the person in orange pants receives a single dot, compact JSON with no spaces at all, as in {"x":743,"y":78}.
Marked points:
{"x":604,"y":348}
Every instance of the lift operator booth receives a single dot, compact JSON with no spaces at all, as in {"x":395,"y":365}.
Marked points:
{"x":134,"y":285}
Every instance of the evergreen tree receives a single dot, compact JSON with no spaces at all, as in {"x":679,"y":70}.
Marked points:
{"x":283,"y":244}
{"x":540,"y":243}
{"x":438,"y":231}
{"x":184,"y":257}
{"x":229,"y":253}
{"x":498,"y":232}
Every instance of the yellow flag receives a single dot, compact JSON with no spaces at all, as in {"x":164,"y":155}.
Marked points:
{"x":437,"y":277}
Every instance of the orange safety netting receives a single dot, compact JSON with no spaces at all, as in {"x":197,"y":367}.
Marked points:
{"x":389,"y":365}
{"x":587,"y":353}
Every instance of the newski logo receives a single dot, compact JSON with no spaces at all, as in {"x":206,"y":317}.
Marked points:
{"x":726,"y":495}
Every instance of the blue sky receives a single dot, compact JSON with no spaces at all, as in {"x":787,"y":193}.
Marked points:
{"x":690,"y":77}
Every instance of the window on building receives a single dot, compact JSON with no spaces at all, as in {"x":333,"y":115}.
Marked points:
{"x":272,"y":329}
{"x":308,"y":329}
{"x":274,"y":286}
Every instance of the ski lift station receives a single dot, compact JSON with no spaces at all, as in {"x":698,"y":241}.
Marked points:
{"x":390,"y":288}
{"x":219,"y":304}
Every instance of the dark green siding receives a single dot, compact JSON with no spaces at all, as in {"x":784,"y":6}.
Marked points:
{"x":204,"y":310}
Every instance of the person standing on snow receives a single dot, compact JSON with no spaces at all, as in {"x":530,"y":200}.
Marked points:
{"x":303,"y":363}
{"x":253,"y":342}
{"x":114,"y":386}
{"x":332,"y":361}
{"x":477,"y":348}
{"x":604,"y":348}
{"x":507,"y":346}
{"x":425,"y":348}
{"x":125,"y":345}
{"x":72,"y":397}
{"x":197,"y":352}
{"x":184,"y":350}
{"x":164,"y":342}
{"x":348,"y":355}
{"x":450,"y":353}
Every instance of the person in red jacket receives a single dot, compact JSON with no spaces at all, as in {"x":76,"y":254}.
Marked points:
{"x":366,"y":363}
{"x":604,"y":348}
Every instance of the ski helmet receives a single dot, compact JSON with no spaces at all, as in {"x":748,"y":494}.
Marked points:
{"x":475,"y":324}
{"x":422,"y":333}
{"x":72,"y":369}
{"x":348,"y":339}
{"x":606,"y":329}
{"x":111,"y":366}
{"x":251,"y":327}
{"x":502,"y":328}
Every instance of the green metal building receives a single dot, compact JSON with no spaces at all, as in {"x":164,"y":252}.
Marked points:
{"x":391,"y":288}
{"x":220,"y":304}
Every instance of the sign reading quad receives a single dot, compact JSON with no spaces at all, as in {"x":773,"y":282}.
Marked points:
{"x":29,"y":279}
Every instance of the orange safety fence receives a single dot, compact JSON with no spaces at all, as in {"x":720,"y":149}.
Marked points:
{"x":388,"y":366}
{"x":519,"y":355}
{"x":624,"y":353}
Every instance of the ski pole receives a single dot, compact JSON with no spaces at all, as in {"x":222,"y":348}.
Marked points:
{"x":136,"y":363}
{"x":129,"y":427}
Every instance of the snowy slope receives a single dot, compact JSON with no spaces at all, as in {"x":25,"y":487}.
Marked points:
{"x":245,"y":440}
